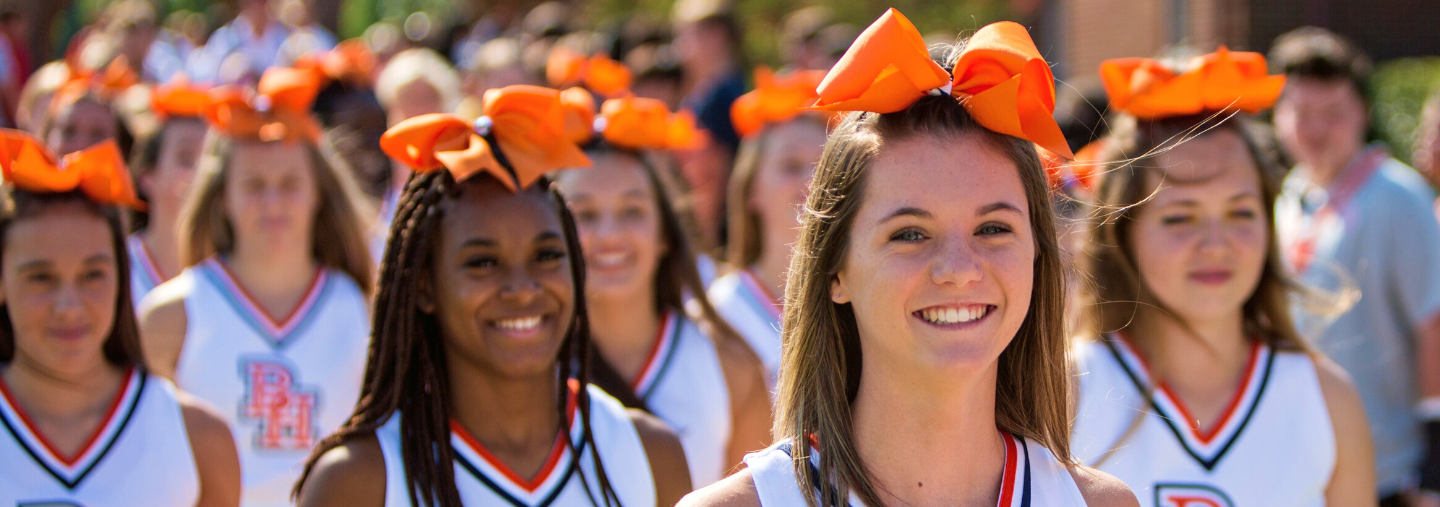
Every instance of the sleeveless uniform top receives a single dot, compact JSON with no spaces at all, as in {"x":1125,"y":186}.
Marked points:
{"x":743,"y":302}
{"x":139,"y":456}
{"x":282,"y":384}
{"x":566,"y":480}
{"x":1032,"y":478}
{"x":144,"y":274}
{"x":1273,"y":446}
{"x":682,"y":384}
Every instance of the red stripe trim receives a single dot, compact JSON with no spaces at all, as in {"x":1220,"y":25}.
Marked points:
{"x":556,"y":452}
{"x":755,"y":285}
{"x":1007,"y":482}
{"x":1204,"y":435}
{"x":310,"y":295}
{"x":654,"y":352}
{"x":70,"y":461}
{"x":148,"y":261}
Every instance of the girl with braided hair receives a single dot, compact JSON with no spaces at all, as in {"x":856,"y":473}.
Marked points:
{"x":475,"y":391}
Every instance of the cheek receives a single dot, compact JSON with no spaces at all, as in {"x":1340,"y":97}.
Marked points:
{"x":1160,"y":253}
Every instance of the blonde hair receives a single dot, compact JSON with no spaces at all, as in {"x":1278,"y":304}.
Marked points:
{"x":338,"y":239}
{"x":821,"y":361}
{"x":422,"y":65}
{"x":744,"y":234}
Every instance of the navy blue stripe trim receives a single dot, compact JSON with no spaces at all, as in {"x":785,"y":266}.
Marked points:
{"x":72,"y":484}
{"x":550,"y":498}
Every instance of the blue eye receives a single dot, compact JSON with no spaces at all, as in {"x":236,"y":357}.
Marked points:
{"x":908,"y":236}
{"x":993,"y":228}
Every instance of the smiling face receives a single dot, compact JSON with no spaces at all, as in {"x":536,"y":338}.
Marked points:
{"x":1200,"y":242}
{"x":619,"y":223}
{"x":84,"y":124}
{"x":503,"y":290}
{"x":271,"y":195}
{"x":60,"y":289}
{"x":782,"y":177}
{"x":939,"y":268}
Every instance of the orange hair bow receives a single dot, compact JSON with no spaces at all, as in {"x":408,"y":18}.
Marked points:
{"x":98,"y":171}
{"x":278,"y":110}
{"x":579,"y":114}
{"x":110,"y":82}
{"x":599,"y":73}
{"x":775,"y":99}
{"x":639,"y":123}
{"x":1219,"y":81}
{"x":179,"y":98}
{"x":527,"y":122}
{"x":351,"y":61}
{"x":1000,"y":78}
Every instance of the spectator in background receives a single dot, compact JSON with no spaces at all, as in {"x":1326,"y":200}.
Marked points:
{"x":416,"y":81}
{"x":170,"y":49}
{"x":1426,"y":154}
{"x":707,"y":41}
{"x":1351,"y":216}
{"x":305,"y":34}
{"x":242,"y":49}
{"x":657,"y":72}
{"x":132,"y":30}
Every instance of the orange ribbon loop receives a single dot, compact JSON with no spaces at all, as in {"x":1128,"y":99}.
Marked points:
{"x":179,"y":98}
{"x":599,"y":73}
{"x":646,"y":124}
{"x":107,"y":84}
{"x":98,"y":171}
{"x":278,"y":110}
{"x":1216,"y":82}
{"x":775,"y":99}
{"x":1000,"y":78}
{"x":351,"y":62}
{"x":528,"y":123}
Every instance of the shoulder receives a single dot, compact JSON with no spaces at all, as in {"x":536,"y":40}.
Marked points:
{"x":203,"y":422}
{"x":723,"y":287}
{"x":737,"y":490}
{"x":1399,"y":185}
{"x":738,"y":361}
{"x":668,"y":467}
{"x":351,"y":474}
{"x":1101,"y":489}
{"x":1341,"y":398}
{"x":164,"y":307}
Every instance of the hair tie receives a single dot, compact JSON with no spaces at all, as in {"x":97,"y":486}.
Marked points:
{"x":279,"y":108}
{"x":1216,"y":82}
{"x":646,"y":124}
{"x":179,"y":98}
{"x":775,"y":99}
{"x":98,"y":171}
{"x":599,"y":73}
{"x":1000,"y":78}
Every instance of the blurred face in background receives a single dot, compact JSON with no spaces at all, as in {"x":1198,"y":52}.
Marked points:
{"x":1321,"y":123}
{"x":619,"y":224}
{"x":782,"y":178}
{"x":271,"y":195}
{"x":83,"y":124}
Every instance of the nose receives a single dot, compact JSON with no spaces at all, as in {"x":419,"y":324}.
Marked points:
{"x":1213,"y":238}
{"x":956,"y":264}
{"x":520,"y":286}
{"x":67,"y":302}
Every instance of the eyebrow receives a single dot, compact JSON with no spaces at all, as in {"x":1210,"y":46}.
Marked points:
{"x":997,"y":206}
{"x":1196,"y":202}
{"x":906,"y":211}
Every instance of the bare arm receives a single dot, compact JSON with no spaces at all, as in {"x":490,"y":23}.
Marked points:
{"x":162,"y":328}
{"x":667,"y":458}
{"x":1427,"y":360}
{"x":749,"y":401}
{"x":1101,"y":489}
{"x":216,"y":459}
{"x":737,"y":490}
{"x":351,"y":475}
{"x":1353,"y":482}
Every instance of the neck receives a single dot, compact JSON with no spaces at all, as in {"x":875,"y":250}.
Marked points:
{"x":1324,"y":174}
{"x":161,"y":240}
{"x":1211,"y":348}
{"x":771,"y":267}
{"x":623,"y":330}
{"x":929,"y":441}
{"x":272,"y":271}
{"x":49,"y":394}
{"x":504,"y":412}
{"x":708,"y":70}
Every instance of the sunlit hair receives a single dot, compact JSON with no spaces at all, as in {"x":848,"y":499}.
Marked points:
{"x":821,"y":360}
{"x":677,"y":278}
{"x":337,"y":234}
{"x":745,"y":235}
{"x":38,"y":90}
{"x":418,"y":65}
{"x":406,"y":370}
{"x":122,"y":347}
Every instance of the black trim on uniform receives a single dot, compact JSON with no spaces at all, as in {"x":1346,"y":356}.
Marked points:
{"x":550,"y":498}
{"x":72,"y":484}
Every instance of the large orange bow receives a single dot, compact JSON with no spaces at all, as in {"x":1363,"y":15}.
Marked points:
{"x":1217,"y":82}
{"x":279,"y":109}
{"x":98,"y":171}
{"x":775,"y":99}
{"x":599,"y":73}
{"x":179,"y":98}
{"x":646,"y":124}
{"x":351,"y":62}
{"x":1000,"y":78}
{"x":528,"y":123}
{"x":110,"y":82}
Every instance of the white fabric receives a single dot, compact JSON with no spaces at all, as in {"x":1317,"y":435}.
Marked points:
{"x":683,"y":384}
{"x":144,"y":274}
{"x":1032,"y":477}
{"x":1275,"y":447}
{"x":140,"y":456}
{"x":282,"y":386}
{"x":740,"y":299}
{"x":558,"y":485}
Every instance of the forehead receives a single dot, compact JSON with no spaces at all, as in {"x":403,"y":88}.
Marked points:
{"x":610,"y":173}
{"x":1216,"y":164}
{"x":952,"y":172}
{"x":482,"y":208}
{"x":801,"y":131}
{"x":268,"y":157}
{"x":1316,"y":91}
{"x":87,"y":234}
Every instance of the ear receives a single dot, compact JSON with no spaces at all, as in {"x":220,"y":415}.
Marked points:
{"x":425,"y":295}
{"x":838,"y":293}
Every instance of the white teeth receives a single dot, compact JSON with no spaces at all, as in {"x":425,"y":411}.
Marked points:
{"x":520,"y":324}
{"x":944,"y":316}
{"x":610,"y":259}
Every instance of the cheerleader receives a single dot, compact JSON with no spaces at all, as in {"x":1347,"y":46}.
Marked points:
{"x":924,"y":361}
{"x":475,"y":389}
{"x":1198,"y":389}
{"x":164,"y":166}
{"x":686,"y":367}
{"x":271,"y":229}
{"x":779,"y":146}
{"x":84,"y":421}
{"x":80,"y":113}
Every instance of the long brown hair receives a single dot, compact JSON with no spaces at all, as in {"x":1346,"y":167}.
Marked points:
{"x":821,"y":361}
{"x":744,"y":236}
{"x":337,"y":235}
{"x":406,"y":372}
{"x":122,"y":347}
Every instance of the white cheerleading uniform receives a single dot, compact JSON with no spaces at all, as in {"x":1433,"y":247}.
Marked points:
{"x":483,"y":480}
{"x":747,"y":305}
{"x":281,"y":384}
{"x":1032,"y":477}
{"x":139,"y":456}
{"x":1272,"y":446}
{"x":144,"y":273}
{"x":683,"y":384}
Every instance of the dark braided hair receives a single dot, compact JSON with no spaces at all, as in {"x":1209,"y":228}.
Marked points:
{"x":409,"y":376}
